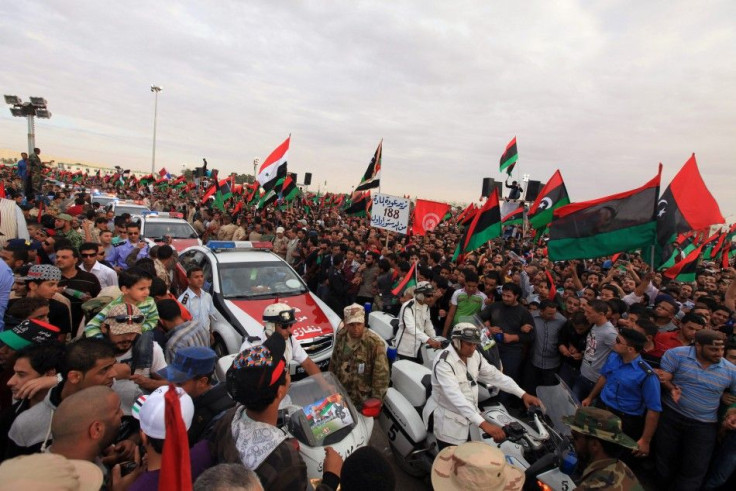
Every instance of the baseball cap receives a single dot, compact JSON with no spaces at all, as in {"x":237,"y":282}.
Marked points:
{"x":475,"y":465}
{"x":189,"y":363}
{"x":64,"y":216}
{"x":150,"y":411}
{"x":663,"y":297}
{"x":280,"y":230}
{"x":50,"y":471}
{"x":28,"y":332}
{"x":124,"y":318}
{"x":256,"y":368}
{"x":43,"y":272}
{"x":354,"y":313}
{"x":709,"y":337}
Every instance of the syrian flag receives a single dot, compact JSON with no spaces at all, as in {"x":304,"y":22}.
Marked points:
{"x":274,"y":167}
{"x":516,"y":217}
{"x":372,"y":177}
{"x":684,"y":270}
{"x":685,"y":205}
{"x":552,"y":196}
{"x":408,"y":280}
{"x":509,"y":157}
{"x":616,"y":223}
{"x":427,"y":215}
{"x":486,"y":225}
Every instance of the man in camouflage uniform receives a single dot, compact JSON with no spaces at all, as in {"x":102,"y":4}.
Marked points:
{"x":359,"y":359}
{"x":35,"y":173}
{"x":63,"y":225}
{"x":598,"y":439}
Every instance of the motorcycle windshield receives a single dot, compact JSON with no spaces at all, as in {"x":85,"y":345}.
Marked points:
{"x":320,"y":411}
{"x":558,"y":401}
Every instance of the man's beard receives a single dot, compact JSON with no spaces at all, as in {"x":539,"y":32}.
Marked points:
{"x":121,"y":351}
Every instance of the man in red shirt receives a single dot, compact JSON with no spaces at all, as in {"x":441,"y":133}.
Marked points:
{"x":684,"y":336}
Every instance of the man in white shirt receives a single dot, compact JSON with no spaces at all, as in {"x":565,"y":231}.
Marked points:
{"x":89,"y":253}
{"x":197,"y":301}
{"x":415,"y":324}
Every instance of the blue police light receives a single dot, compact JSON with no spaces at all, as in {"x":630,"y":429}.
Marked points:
{"x":221,"y":244}
{"x":149,"y":213}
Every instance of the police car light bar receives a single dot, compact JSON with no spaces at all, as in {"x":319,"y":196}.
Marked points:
{"x":238,"y":244}
{"x":149,"y":213}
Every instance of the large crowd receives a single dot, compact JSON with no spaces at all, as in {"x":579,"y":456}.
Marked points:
{"x":95,"y":326}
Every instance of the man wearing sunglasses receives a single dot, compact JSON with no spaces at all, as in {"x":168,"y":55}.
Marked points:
{"x":90,"y":253}
{"x":78,"y":286}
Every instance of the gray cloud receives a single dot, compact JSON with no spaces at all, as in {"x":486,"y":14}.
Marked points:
{"x":603,"y":91}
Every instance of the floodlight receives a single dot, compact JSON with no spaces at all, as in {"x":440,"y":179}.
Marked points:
{"x":38,"y":101}
{"x":13,"y":100}
{"x":156,"y":88}
{"x":43,"y":113}
{"x":17,"y":111}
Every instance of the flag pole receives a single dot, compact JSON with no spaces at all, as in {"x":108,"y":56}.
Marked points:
{"x":380,"y":157}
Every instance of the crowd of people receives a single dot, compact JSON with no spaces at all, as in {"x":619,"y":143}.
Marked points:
{"x":95,"y":328}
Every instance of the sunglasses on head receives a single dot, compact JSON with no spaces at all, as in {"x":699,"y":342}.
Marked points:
{"x":136,"y":319}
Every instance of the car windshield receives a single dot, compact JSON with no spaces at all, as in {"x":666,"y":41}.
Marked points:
{"x":260,"y":280}
{"x":176,"y":230}
{"x":133,"y":210}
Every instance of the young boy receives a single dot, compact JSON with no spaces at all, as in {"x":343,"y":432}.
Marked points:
{"x":135,"y":285}
{"x":42,"y":282}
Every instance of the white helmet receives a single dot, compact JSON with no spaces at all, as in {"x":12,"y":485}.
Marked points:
{"x":423,"y":290}
{"x":277,"y":313}
{"x":466,"y":331}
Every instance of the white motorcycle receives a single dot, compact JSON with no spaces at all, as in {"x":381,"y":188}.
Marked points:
{"x":318,"y":412}
{"x":532,"y":446}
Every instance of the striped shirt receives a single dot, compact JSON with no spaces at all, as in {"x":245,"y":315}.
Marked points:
{"x":190,"y":333}
{"x":147,"y":308}
{"x":701,"y":387}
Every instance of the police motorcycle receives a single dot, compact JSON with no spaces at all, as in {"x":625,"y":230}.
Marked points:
{"x":534,"y":445}
{"x":318,"y":412}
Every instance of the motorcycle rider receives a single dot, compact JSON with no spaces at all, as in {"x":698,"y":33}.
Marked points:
{"x":453,"y":405}
{"x":415,"y":324}
{"x":280,"y":318}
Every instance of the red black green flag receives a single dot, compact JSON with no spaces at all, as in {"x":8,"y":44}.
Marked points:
{"x":685,"y":205}
{"x":684,"y":270}
{"x":616,"y":223}
{"x":486,"y":225}
{"x":516,"y":217}
{"x":408,"y":280}
{"x":372,"y":177}
{"x":509,"y":157}
{"x":552,"y":196}
{"x":359,"y":205}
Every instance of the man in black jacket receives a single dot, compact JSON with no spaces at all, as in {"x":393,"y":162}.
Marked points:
{"x":193,"y":370}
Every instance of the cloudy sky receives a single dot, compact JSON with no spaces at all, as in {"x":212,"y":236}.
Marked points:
{"x":601,"y":90}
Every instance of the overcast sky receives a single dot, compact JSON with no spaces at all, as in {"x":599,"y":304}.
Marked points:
{"x":601,"y":90}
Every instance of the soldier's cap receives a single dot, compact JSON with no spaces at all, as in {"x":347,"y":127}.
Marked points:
{"x":600,"y":424}
{"x":124,"y":318}
{"x":475,"y":465}
{"x":64,"y":216}
{"x":709,"y":337}
{"x":43,"y":272}
{"x":354,"y":314}
{"x":256,"y":368}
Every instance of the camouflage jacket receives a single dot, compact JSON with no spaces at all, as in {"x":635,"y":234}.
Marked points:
{"x":609,"y":474}
{"x":363,"y":369}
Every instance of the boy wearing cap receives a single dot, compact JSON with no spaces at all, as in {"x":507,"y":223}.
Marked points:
{"x":259,"y":380}
{"x":150,"y":411}
{"x":42,"y":282}
{"x":689,"y":423}
{"x":598,"y":439}
{"x":193,"y":370}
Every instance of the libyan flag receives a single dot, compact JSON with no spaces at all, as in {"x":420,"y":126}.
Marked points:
{"x":509,"y":157}
{"x":516,"y":217}
{"x":552,"y":196}
{"x":427,"y":215}
{"x":406,"y":282}
{"x":685,"y":205}
{"x":358,"y":207}
{"x":616,"y":223}
{"x":684,"y":270}
{"x":485,"y":225}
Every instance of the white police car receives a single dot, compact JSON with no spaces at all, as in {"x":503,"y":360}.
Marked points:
{"x":167,"y":227}
{"x":243,"y":278}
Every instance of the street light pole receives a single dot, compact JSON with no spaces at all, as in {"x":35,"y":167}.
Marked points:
{"x":37,"y":107}
{"x":255,"y":169}
{"x":155,"y":89}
